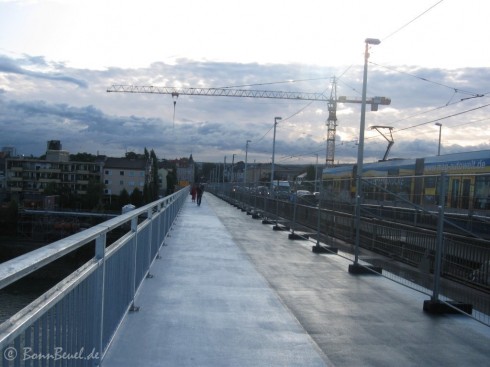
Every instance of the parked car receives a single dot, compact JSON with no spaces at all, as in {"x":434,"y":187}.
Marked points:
{"x":302,"y":193}
{"x":307,"y":199}
{"x":262,"y":190}
{"x":282,"y":189}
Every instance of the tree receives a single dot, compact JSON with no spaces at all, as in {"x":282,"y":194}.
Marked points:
{"x":207,"y":169}
{"x":136,"y":197}
{"x":51,"y":189}
{"x":83,"y":157}
{"x":95,"y":193}
{"x":155,"y":184}
{"x":8,"y":217}
{"x":171,"y":180}
{"x":131,"y":155}
{"x":124,"y":198}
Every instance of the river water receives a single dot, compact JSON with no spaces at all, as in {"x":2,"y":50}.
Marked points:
{"x":18,"y":295}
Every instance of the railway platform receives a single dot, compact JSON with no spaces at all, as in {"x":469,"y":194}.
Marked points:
{"x":230,"y":291}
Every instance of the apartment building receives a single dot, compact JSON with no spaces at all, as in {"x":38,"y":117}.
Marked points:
{"x":29,"y":177}
{"x":124,"y":173}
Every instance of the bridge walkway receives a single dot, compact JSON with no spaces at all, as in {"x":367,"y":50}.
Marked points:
{"x":230,"y":291}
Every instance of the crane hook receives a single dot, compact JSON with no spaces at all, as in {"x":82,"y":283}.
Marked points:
{"x":175,"y":95}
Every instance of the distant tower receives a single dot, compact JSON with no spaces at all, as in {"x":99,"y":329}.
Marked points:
{"x":54,"y":152}
{"x":53,"y":145}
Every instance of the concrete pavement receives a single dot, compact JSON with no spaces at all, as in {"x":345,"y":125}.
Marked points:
{"x":230,"y":291}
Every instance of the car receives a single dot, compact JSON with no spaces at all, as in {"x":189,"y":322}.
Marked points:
{"x":262,"y":190}
{"x":302,"y":193}
{"x":308,"y":199}
{"x":281,"y":189}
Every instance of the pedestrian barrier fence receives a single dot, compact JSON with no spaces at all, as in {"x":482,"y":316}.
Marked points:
{"x":73,"y":323}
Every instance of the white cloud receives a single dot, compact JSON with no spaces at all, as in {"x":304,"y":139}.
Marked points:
{"x":89,"y":119}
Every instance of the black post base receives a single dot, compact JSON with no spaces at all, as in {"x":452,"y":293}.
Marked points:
{"x":357,"y":269}
{"x":438,"y":307}
{"x":317,"y":249}
{"x":294,"y":236}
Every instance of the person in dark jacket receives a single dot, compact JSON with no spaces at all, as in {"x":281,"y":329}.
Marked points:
{"x":193,"y":193}
{"x":200,"y":191}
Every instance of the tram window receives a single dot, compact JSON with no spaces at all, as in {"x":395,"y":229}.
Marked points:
{"x":429,"y":182}
{"x":482,"y":192}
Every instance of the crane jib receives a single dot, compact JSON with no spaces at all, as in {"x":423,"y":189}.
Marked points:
{"x":251,"y":93}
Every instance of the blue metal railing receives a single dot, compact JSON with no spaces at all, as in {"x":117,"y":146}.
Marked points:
{"x":73,"y":323}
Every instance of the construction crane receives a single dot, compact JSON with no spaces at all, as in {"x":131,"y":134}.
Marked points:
{"x":250,"y":93}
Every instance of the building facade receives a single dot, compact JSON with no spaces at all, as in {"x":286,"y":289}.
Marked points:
{"x":29,"y":178}
{"x":185,"y":171}
{"x":125,"y":174}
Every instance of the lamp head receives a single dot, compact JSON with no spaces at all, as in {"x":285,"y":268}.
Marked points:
{"x":372,"y":41}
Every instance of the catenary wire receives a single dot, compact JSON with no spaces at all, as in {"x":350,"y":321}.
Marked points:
{"x":410,"y":22}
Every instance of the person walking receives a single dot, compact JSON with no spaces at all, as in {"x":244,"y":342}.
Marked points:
{"x":200,"y":191}
{"x":193,"y":192}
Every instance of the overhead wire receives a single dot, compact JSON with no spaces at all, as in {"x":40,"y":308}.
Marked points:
{"x":272,"y":83}
{"x":410,"y":22}
{"x":445,"y":117}
{"x":456,"y":90}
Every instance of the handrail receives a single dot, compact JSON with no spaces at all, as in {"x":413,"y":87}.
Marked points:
{"x":84,"y":310}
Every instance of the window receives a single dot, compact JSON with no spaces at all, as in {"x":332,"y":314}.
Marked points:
{"x":121,"y":183}
{"x":121,"y":173}
{"x":107,"y":172}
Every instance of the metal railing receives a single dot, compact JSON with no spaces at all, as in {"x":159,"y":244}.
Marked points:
{"x":406,"y":250}
{"x":73,"y":323}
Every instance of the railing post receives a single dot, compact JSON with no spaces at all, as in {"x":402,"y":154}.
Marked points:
{"x":100,"y":245}
{"x":439,"y":240}
{"x":150,"y":239}
{"x":434,"y":305}
{"x":159,"y":229}
{"x":317,"y":248}
{"x":134,"y":230}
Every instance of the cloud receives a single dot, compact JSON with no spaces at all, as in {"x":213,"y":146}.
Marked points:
{"x":11,"y":66}
{"x":33,"y":111}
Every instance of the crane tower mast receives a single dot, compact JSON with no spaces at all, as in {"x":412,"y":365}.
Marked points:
{"x":250,"y":93}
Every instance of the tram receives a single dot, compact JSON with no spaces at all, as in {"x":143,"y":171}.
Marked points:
{"x":466,"y":175}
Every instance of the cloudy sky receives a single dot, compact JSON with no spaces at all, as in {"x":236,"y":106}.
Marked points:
{"x":58,"y":57}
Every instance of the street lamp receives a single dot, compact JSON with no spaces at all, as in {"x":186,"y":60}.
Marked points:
{"x":233,"y":168}
{"x":360,"y":149}
{"x":440,"y":128}
{"x":276,"y":119}
{"x":246,"y":158}
{"x":316,"y":172}
{"x":224,"y":170}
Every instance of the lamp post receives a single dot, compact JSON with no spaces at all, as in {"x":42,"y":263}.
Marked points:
{"x":224,"y":170}
{"x":316,"y":172}
{"x":360,"y":149}
{"x":440,"y":128}
{"x":233,"y":168}
{"x":276,"y":119}
{"x":246,"y":158}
